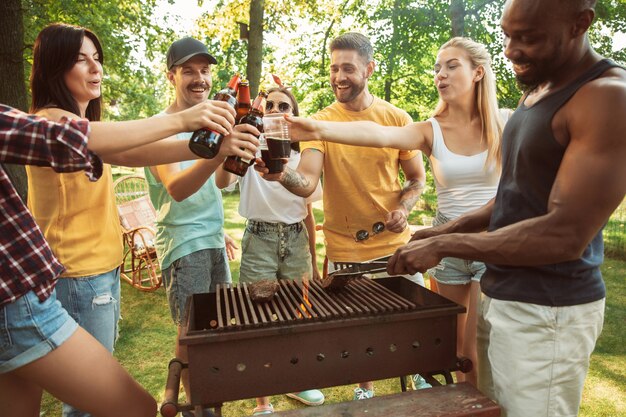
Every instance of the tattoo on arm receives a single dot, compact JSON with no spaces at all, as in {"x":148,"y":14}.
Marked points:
{"x":293,"y":180}
{"x":411,"y":194}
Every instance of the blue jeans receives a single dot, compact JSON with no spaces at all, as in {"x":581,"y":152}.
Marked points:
{"x":199,"y":272}
{"x":92,"y":301}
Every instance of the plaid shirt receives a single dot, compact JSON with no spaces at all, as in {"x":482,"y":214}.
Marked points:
{"x":26,"y":261}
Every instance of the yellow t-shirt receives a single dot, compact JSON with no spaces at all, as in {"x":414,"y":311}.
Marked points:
{"x":78,"y":218}
{"x":361,"y":186}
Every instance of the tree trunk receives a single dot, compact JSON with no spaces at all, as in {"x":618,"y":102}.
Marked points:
{"x":326,"y":36}
{"x":457,"y":17}
{"x":12,"y":87}
{"x":391,"y":59}
{"x":255,"y":46}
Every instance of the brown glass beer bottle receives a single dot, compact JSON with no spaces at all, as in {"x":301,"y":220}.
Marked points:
{"x":243,"y":100}
{"x":236,"y":164}
{"x":206,"y":143}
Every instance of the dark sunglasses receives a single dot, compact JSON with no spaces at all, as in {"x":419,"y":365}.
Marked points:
{"x":283,"y":106}
{"x":363,"y":234}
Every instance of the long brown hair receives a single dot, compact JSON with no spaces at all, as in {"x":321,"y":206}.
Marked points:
{"x":56,"y":51}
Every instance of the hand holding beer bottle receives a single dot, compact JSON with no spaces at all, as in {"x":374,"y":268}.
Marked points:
{"x":236,"y":164}
{"x":206,"y":143}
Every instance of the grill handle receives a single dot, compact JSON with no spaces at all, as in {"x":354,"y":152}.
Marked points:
{"x":169,"y":407}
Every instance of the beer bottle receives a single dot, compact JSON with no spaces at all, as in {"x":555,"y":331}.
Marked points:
{"x":236,"y":164}
{"x":206,"y":143}
{"x":243,"y":99}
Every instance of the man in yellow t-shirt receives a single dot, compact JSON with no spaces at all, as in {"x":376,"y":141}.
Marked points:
{"x":361,"y":186}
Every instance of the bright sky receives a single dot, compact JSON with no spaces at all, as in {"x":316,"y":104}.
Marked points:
{"x":187,"y":11}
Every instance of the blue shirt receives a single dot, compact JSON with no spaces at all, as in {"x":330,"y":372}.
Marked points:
{"x":185,"y":227}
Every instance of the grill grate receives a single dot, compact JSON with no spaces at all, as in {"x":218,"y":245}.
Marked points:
{"x":363,"y":297}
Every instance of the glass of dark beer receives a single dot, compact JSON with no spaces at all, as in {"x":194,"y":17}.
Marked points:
{"x":278,"y":136}
{"x":274,"y":165}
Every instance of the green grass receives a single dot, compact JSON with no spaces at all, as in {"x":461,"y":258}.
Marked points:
{"x":147,"y":337}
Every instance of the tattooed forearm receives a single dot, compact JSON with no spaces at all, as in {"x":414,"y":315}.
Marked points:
{"x":296,"y":182}
{"x":411,"y":194}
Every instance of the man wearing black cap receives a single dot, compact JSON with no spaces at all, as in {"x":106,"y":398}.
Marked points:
{"x":190,"y":226}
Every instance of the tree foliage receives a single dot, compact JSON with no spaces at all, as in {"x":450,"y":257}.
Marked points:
{"x":406,"y":35}
{"x":131,"y":87}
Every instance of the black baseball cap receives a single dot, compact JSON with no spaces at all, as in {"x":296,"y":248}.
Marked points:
{"x":184,"y":49}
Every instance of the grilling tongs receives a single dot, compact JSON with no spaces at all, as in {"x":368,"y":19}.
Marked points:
{"x":360,"y":268}
{"x":348,"y":271}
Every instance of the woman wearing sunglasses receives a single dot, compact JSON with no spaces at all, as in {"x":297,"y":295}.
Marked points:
{"x":462,"y":142}
{"x":279,"y":239}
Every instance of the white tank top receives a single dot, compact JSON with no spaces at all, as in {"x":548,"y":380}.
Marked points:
{"x":462,"y":182}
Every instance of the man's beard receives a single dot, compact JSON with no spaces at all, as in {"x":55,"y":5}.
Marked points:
{"x":355,"y":90}
{"x":525,"y":88}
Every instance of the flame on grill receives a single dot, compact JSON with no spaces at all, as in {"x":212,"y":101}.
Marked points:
{"x":305,"y":298}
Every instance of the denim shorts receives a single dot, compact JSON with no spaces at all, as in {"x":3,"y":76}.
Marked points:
{"x":30,"y":329}
{"x":197,"y":273}
{"x":275,"y":251}
{"x":455,"y":271}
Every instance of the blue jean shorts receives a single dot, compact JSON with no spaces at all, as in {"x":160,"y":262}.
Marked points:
{"x":197,"y":273}
{"x":275,"y":251}
{"x":455,"y":271}
{"x":30,"y":329}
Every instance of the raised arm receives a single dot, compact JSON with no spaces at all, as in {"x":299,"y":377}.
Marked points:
{"x":305,"y":178}
{"x":172,"y":150}
{"x":590,"y":184}
{"x":108,"y":138}
{"x":181,"y":183}
{"x":362,"y":133}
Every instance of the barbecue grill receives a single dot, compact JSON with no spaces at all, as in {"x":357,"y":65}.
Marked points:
{"x":307,"y":337}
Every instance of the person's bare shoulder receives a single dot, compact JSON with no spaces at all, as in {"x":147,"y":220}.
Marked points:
{"x":56,"y":114}
{"x":612,"y":81}
{"x":597,"y":107}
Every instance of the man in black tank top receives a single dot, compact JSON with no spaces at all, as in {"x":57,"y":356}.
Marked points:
{"x":563,"y":175}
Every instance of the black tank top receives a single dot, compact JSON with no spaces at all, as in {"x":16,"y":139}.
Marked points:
{"x":531,"y":157}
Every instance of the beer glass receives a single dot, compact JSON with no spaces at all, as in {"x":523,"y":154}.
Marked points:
{"x":278,"y":136}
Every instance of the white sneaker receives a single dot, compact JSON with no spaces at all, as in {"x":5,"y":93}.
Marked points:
{"x":418,"y":382}
{"x":363,"y":394}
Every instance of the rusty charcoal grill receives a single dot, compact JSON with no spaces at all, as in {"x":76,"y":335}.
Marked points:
{"x":372,"y":329}
{"x":236,"y":311}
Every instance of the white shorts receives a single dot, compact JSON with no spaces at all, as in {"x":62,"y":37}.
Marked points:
{"x":533,"y":359}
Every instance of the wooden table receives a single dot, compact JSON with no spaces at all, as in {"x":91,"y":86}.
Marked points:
{"x":454,"y":400}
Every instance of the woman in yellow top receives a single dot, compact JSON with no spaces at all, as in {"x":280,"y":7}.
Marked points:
{"x":78,"y":217}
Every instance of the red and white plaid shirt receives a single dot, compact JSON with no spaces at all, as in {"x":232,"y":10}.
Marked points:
{"x":26,"y":261}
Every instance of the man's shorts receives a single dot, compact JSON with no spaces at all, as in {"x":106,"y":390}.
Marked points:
{"x":30,"y":329}
{"x":197,"y":273}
